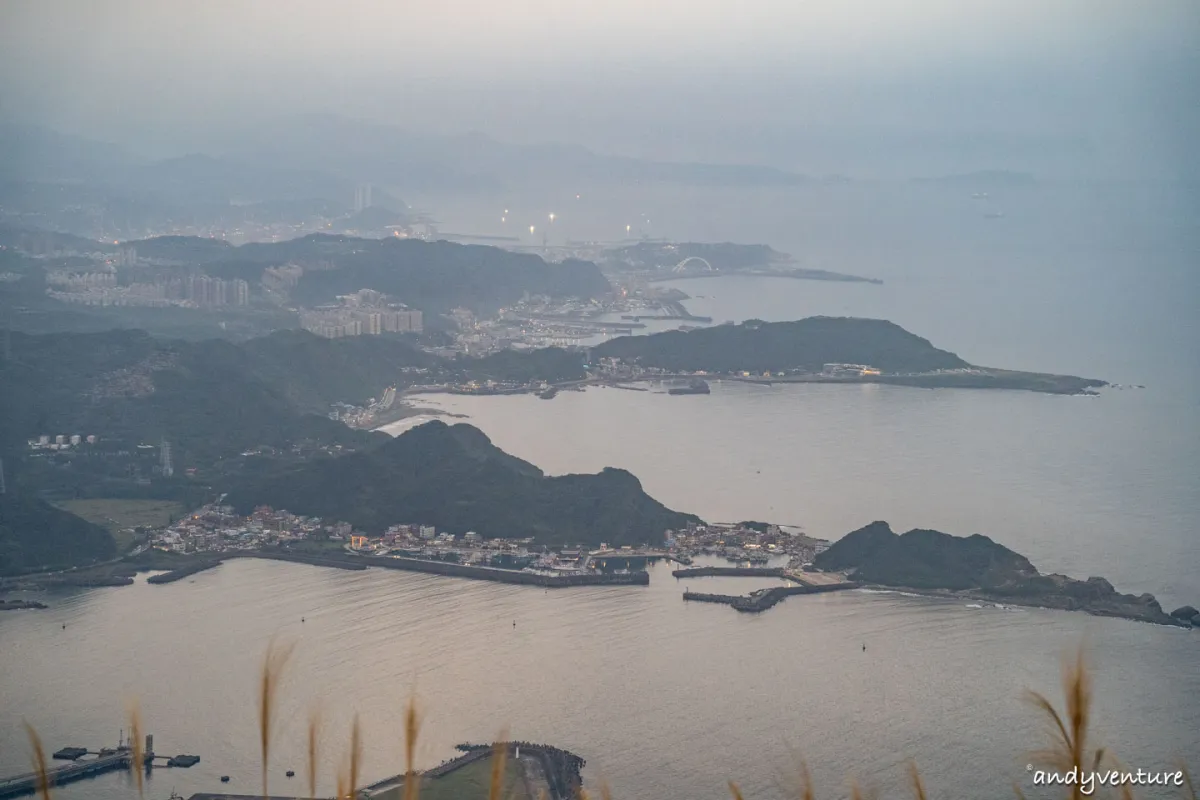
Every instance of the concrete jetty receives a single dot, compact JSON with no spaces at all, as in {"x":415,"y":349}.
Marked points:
{"x":765,"y":598}
{"x":745,"y":572}
{"x":29,"y":782}
{"x":106,"y":760}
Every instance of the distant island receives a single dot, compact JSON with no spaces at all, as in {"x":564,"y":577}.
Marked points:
{"x":823,"y":350}
{"x":976,"y":567}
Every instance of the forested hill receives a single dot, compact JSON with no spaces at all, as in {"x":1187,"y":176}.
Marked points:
{"x":806,"y":344}
{"x":36,"y":535}
{"x":214,"y":398}
{"x":211,"y":399}
{"x":431,"y":276}
{"x":455,"y":478}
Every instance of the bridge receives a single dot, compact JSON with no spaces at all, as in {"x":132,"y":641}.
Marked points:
{"x":683,"y":265}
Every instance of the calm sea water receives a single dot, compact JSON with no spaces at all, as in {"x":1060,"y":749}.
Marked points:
{"x":670,"y":700}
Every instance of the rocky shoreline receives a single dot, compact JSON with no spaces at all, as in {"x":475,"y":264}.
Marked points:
{"x":1135,"y":612}
{"x":17,"y":605}
{"x":936,"y":564}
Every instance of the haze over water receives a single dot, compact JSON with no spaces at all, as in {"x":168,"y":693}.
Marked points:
{"x":667,"y":699}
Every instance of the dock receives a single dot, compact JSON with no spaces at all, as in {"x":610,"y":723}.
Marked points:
{"x":763,"y":599}
{"x":78,"y":768}
{"x":28,"y":783}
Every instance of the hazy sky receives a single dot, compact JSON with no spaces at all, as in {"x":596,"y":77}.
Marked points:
{"x":1111,"y":86}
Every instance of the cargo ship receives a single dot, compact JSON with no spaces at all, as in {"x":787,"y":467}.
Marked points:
{"x":694,"y":387}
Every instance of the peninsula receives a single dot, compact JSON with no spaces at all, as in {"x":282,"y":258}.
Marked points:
{"x":817,"y":350}
{"x":941,"y":565}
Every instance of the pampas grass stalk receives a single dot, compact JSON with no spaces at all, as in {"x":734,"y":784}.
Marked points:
{"x":735,"y":791}
{"x":1068,"y":749}
{"x":356,"y":750}
{"x":412,"y":728}
{"x":1190,"y":794}
{"x":914,"y":777}
{"x":806,"y":784}
{"x":273,"y":665}
{"x":314,"y":742}
{"x":38,"y":757}
{"x":137,"y":745}
{"x":499,"y":762}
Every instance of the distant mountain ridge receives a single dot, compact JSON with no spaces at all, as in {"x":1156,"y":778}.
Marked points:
{"x":455,"y":478}
{"x":431,"y":276}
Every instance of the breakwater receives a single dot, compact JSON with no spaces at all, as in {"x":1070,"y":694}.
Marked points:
{"x":183,"y":572}
{"x":560,"y":768}
{"x":765,"y":598}
{"x":302,"y":558}
{"x":507,"y":575}
{"x":29,"y":782}
{"x":745,"y":572}
{"x":448,"y":568}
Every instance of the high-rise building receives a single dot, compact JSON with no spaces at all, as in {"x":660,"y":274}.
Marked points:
{"x":241,"y":292}
{"x":362,"y":197}
{"x":165,"y":456}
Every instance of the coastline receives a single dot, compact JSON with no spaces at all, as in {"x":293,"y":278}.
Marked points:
{"x":758,"y":601}
{"x":444,"y":568}
{"x":1047,"y":603}
{"x":793,"y":274}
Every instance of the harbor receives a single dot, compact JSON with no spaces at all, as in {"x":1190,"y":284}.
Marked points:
{"x":79,"y":766}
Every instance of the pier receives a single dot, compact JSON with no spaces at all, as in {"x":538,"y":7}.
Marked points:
{"x":765,"y":598}
{"x":743,"y":572}
{"x":106,"y":759}
{"x":30,"y":782}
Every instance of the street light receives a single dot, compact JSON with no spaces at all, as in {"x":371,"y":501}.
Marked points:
{"x":552,"y":217}
{"x":531,"y":230}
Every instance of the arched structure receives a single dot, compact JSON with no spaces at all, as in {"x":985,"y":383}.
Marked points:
{"x":682,"y":265}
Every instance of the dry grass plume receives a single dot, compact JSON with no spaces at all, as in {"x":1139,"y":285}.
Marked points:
{"x":499,"y":767}
{"x":274,"y":663}
{"x":38,"y":757}
{"x":137,"y":746}
{"x":914,"y":777}
{"x":356,"y":750}
{"x":314,"y":746}
{"x":1190,"y":794}
{"x":412,"y":729}
{"x":1068,"y":748}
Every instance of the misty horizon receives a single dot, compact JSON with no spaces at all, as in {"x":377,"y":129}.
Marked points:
{"x":870,"y":90}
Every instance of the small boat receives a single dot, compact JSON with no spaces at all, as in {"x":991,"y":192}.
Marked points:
{"x":291,"y":773}
{"x":974,"y":605}
{"x":224,"y":779}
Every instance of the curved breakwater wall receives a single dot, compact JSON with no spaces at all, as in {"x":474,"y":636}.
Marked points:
{"x":764,"y":598}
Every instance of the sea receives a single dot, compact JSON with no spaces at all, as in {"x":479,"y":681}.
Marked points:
{"x":671,"y":700}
